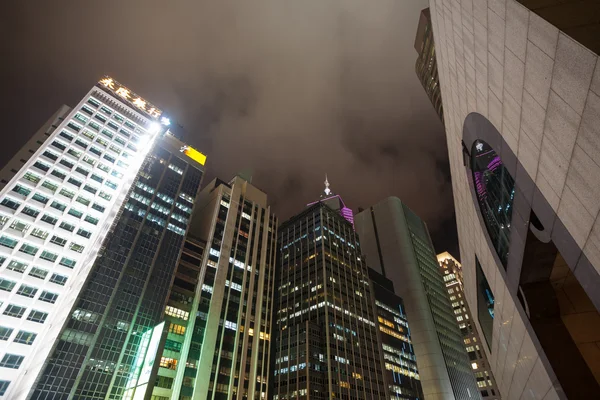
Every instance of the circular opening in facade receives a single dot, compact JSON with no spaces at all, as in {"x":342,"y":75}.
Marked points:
{"x":495,"y":191}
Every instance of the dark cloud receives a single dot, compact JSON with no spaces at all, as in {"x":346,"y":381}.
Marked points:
{"x":290,"y":89}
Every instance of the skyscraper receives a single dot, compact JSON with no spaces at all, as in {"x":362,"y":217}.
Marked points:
{"x":452,"y":273}
{"x":178,"y":354}
{"x":396,"y":243}
{"x":223,"y":345}
{"x":520,"y":83}
{"x":335,"y":202}
{"x":426,"y":65}
{"x":92,"y":226}
{"x":401,"y":375}
{"x":326,"y":336}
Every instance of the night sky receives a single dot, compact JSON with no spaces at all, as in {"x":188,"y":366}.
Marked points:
{"x":291,"y":90}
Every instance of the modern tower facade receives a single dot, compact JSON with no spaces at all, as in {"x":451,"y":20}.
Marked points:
{"x":326,"y":342}
{"x":520,"y":82}
{"x":396,"y":243}
{"x":223,"y":345}
{"x":426,"y":65}
{"x":85,"y":268}
{"x":401,"y":375}
{"x":452,"y":272}
{"x":179,"y":319}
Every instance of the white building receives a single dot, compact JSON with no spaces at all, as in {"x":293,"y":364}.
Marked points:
{"x":60,"y":195}
{"x":521,"y":95}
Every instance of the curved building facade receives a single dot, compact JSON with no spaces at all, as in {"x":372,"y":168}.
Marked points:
{"x":522,"y":116}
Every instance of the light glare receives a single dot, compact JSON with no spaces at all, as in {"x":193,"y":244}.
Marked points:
{"x":154,"y":127}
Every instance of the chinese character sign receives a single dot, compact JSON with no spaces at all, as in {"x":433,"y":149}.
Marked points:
{"x":126,"y":94}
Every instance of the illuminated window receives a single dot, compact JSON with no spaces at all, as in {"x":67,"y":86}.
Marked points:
{"x":177,"y":329}
{"x":177,"y":313}
{"x":17,"y":266}
{"x":169,"y":363}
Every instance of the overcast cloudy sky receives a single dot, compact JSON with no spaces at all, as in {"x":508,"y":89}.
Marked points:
{"x":289,"y":89}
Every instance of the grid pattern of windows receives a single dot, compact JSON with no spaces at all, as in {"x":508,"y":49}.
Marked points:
{"x":451,"y":342}
{"x":324,"y":311}
{"x":472,"y":342}
{"x":242,"y":316}
{"x":396,"y":345}
{"x":52,"y":209}
{"x":129,"y":284}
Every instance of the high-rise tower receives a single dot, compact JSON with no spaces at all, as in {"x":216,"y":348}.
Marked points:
{"x":401,"y":375}
{"x":326,"y":336}
{"x":396,"y":243}
{"x":223,"y":345}
{"x":426,"y":65}
{"x":453,"y":278}
{"x":92,"y":225}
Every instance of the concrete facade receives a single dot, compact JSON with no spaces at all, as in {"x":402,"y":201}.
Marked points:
{"x":532,"y":93}
{"x":396,"y":244}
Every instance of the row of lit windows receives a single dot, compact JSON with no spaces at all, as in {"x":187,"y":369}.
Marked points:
{"x":177,"y":313}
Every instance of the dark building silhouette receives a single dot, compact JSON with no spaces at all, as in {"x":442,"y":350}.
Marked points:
{"x":426,"y":65}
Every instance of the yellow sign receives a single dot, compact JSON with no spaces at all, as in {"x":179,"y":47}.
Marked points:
{"x":194,"y":154}
{"x":123,"y":92}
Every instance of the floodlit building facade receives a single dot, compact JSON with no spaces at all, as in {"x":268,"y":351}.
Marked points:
{"x":326,"y":343}
{"x":92,"y":225}
{"x":396,"y":243}
{"x":521,"y":90}
{"x":221,"y":349}
{"x":401,"y":375}
{"x":452,"y":273}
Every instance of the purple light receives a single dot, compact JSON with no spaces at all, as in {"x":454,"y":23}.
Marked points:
{"x":344,"y":211}
{"x":480,"y":186}
{"x":494,"y":164}
{"x":348,"y":215}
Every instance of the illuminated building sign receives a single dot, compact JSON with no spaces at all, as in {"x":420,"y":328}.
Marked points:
{"x":194,"y":154}
{"x":144,"y":362}
{"x":136,"y":101}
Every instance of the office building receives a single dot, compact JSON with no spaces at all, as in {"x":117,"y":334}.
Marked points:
{"x":326,"y":335}
{"x":520,"y":84}
{"x":426,"y":65}
{"x":452,"y":272}
{"x":180,"y":312}
{"x":92,"y":225}
{"x":396,"y":243}
{"x":401,"y":375}
{"x":221,"y":349}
